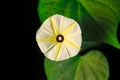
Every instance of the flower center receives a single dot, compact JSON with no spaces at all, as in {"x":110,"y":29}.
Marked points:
{"x":60,"y":38}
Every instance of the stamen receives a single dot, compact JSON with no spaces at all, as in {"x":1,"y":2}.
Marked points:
{"x":60,"y":38}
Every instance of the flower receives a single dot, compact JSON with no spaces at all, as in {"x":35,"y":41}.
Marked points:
{"x":59,"y":38}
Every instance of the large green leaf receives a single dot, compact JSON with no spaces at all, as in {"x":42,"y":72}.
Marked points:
{"x":98,"y":18}
{"x":92,"y":66}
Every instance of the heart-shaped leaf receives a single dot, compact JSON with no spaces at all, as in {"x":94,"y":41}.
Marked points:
{"x":98,"y":19}
{"x":91,"y":66}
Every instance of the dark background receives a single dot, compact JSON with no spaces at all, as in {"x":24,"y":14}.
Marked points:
{"x":34,"y":59}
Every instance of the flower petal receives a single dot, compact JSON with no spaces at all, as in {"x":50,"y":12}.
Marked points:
{"x":72,"y":43}
{"x":66,"y":22}
{"x":54,"y":27}
{"x":47,"y":36}
{"x":63,"y":53}
{"x":58,"y":50}
{"x":75,"y":35}
{"x":68,"y":29}
{"x":58,"y":20}
{"x":71,"y":49}
{"x":46,"y":28}
{"x":51,"y":53}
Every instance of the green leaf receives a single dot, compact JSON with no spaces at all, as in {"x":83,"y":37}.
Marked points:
{"x":98,"y":18}
{"x":91,"y":66}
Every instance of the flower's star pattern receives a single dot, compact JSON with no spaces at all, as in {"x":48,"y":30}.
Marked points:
{"x":59,"y":38}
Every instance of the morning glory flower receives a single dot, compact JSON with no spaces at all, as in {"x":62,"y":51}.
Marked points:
{"x":59,"y":38}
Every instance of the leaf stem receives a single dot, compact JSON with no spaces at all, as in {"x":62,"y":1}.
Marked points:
{"x":60,"y":67}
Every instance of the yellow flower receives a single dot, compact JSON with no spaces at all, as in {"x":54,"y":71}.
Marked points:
{"x":59,"y":38}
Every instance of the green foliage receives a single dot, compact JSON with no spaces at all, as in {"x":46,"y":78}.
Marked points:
{"x":98,"y":18}
{"x":92,"y":66}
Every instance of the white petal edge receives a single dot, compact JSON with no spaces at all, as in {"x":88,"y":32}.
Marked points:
{"x":67,"y":50}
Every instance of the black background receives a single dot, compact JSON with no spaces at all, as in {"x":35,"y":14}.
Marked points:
{"x":34,"y":59}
